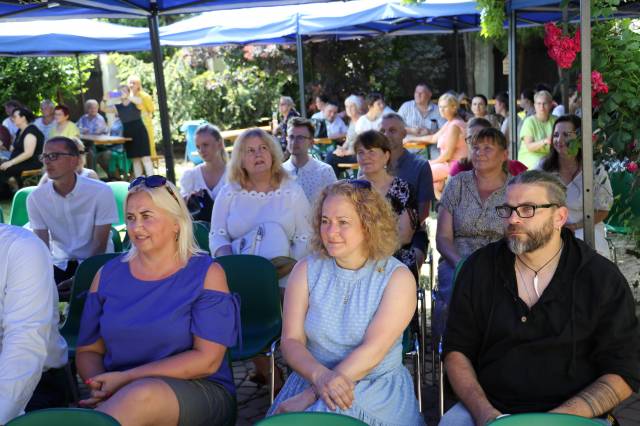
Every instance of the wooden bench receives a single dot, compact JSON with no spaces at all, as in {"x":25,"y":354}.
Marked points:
{"x":31,"y":176}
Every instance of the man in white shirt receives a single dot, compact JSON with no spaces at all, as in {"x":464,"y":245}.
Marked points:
{"x":9,"y":107}
{"x":71,"y":214}
{"x":420,"y":115}
{"x":29,"y":337}
{"x":47,"y":121}
{"x":312,"y":175}
{"x":336,"y":128}
{"x":372,"y":119}
{"x":321,"y":102}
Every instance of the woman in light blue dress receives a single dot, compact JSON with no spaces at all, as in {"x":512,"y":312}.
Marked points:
{"x":345,"y":310}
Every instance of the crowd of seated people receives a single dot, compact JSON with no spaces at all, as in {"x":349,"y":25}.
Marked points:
{"x":159,"y":318}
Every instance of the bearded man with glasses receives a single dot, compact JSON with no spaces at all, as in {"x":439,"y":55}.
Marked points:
{"x":71,"y":214}
{"x":539,"y":321}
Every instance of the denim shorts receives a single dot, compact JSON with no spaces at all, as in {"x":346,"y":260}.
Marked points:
{"x":202,"y":402}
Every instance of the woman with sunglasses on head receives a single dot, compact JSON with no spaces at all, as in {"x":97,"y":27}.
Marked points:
{"x":345,"y":310}
{"x":466,"y":216}
{"x":373,"y":152}
{"x":565,"y":161}
{"x":261,"y":211}
{"x":26,"y":148}
{"x":158,"y":320}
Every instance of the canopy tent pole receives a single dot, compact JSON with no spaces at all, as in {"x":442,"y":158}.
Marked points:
{"x":299,"y":59}
{"x":456,"y":41}
{"x":80,"y":77}
{"x":156,"y":53}
{"x":513,"y":94}
{"x":587,"y":130}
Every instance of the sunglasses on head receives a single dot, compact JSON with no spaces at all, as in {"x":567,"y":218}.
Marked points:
{"x":153,"y":181}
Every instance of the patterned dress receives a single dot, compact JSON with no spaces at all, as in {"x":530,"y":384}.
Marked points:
{"x":402,"y":198}
{"x":342,"y":304}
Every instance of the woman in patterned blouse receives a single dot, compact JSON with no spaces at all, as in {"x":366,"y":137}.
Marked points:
{"x":373,"y":151}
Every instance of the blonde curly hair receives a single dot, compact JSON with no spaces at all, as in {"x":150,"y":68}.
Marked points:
{"x":379,"y":223}
{"x":237,"y":174}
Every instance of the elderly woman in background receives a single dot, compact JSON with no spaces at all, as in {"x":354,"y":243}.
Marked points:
{"x":26,"y":148}
{"x":261,"y":211}
{"x":204,"y":182}
{"x":345,"y":153}
{"x":466,"y":218}
{"x":64,"y":126}
{"x":535,"y":135}
{"x":373,"y":151}
{"x":158,"y":320}
{"x":450,"y":140}
{"x":565,"y":161}
{"x":286,"y":110}
{"x":345,"y":311}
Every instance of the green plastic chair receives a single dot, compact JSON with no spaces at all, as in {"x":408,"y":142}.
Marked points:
{"x":310,"y":419}
{"x":201,"y":232}
{"x":1,"y":216}
{"x":19,"y":215}
{"x":64,"y":417}
{"x":543,"y":419}
{"x":117,"y":242}
{"x":81,"y":284}
{"x":120,"y":191}
{"x":254,"y":279}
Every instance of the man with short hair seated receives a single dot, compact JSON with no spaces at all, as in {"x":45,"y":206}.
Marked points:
{"x":29,"y":339}
{"x":311,"y":174}
{"x":72,"y":214}
{"x":539,"y":321}
{"x":336,"y":129}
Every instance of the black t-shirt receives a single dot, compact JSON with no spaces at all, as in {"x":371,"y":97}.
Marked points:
{"x":128,"y":113}
{"x":18,"y":144}
{"x":583,"y":326}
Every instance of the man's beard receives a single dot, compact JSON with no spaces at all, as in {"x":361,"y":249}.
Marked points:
{"x":533,"y":239}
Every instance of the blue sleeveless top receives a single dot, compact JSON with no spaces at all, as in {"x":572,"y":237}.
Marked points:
{"x":145,"y":321}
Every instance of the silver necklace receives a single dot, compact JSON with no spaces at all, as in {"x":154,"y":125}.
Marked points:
{"x":524,"y":284}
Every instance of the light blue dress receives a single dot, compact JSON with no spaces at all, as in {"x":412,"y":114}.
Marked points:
{"x":342,"y":304}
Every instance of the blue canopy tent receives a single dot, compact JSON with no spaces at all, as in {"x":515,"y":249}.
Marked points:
{"x":69,"y":36}
{"x":29,"y":10}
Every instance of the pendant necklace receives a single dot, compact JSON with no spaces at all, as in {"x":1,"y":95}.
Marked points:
{"x":535,"y":272}
{"x":524,"y":284}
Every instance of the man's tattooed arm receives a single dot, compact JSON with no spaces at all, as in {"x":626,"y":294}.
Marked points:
{"x":599,"y":398}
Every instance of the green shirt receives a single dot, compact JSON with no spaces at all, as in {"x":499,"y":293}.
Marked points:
{"x":538,"y":130}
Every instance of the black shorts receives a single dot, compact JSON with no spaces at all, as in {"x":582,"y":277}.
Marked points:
{"x":202,"y":402}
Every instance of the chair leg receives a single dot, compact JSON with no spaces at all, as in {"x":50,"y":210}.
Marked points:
{"x":272,"y":370}
{"x":418,"y":367}
{"x":422,"y":327}
{"x":440,"y":381}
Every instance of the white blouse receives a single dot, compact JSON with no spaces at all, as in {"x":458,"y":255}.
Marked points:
{"x":238,"y":211}
{"x":193,"y":181}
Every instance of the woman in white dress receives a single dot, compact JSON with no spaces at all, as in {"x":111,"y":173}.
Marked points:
{"x":205,"y":180}
{"x":565,"y":161}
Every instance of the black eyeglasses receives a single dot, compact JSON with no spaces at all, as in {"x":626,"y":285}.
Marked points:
{"x":53,"y":156}
{"x":524,"y":211}
{"x":153,"y":181}
{"x":359,"y":183}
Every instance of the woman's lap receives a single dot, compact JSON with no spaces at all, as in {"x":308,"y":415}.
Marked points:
{"x":202,"y":402}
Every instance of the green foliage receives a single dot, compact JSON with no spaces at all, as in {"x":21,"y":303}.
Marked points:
{"x":32,"y":79}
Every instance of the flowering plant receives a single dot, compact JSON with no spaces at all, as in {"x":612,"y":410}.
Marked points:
{"x":597,"y":86}
{"x":561,"y":48}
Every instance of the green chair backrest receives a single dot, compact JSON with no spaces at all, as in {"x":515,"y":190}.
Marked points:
{"x":120,"y":191}
{"x":310,"y":419}
{"x":117,"y":242}
{"x":64,"y":417}
{"x":1,"y":216}
{"x":544,"y":419}
{"x":254,"y":279}
{"x":626,"y":201}
{"x":19,"y":215}
{"x":81,"y":284}
{"x":201,"y":232}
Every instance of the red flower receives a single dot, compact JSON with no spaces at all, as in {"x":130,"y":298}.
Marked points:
{"x":562,"y":49}
{"x":632,"y":167}
{"x":597,"y":86}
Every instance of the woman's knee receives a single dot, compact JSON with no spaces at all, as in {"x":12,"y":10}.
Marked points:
{"x":147,"y":391}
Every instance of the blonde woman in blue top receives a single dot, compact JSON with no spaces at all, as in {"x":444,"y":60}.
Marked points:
{"x":158,"y":320}
{"x":345,"y":310}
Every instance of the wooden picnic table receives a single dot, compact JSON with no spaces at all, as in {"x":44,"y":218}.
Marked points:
{"x":102,"y":140}
{"x":232,"y":135}
{"x":419,"y":145}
